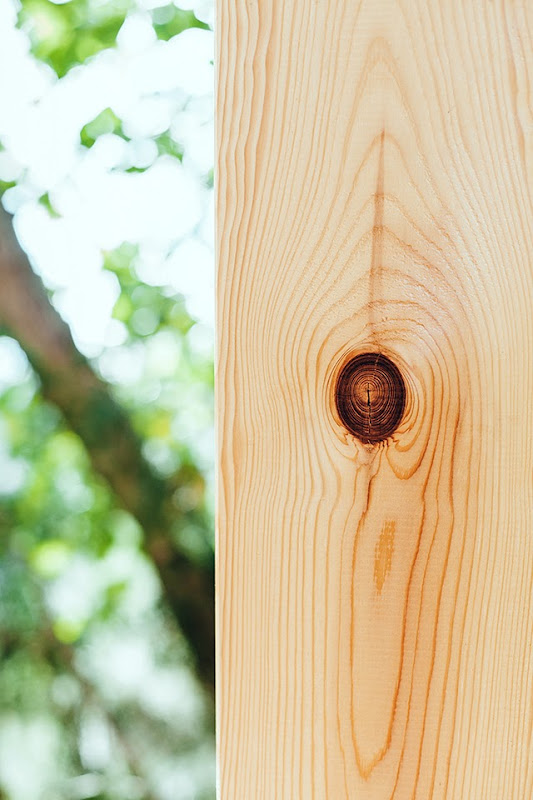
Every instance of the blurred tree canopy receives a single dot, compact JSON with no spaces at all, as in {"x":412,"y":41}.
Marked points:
{"x":106,"y":381}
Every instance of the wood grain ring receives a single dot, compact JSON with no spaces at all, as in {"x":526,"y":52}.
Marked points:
{"x":370,"y":397}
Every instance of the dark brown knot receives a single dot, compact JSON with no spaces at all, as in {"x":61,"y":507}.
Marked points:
{"x":370,"y":397}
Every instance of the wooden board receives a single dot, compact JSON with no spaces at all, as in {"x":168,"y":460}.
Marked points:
{"x":375,"y":616}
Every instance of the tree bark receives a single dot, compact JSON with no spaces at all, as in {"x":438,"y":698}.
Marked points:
{"x":87,"y":404}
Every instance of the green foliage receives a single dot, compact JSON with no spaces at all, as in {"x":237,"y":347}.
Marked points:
{"x":62,"y":521}
{"x":69,"y":33}
{"x":5,"y":185}
{"x":106,"y":122}
{"x":65,"y":34}
{"x":179,"y":384}
{"x":142,"y":308}
{"x":95,"y":688}
{"x":166,"y":145}
{"x":45,"y":201}
{"x":168,"y":21}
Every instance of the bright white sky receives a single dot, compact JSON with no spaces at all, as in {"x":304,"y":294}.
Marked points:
{"x":151,"y":85}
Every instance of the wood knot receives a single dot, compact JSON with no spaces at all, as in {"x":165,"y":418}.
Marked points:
{"x":370,"y":397}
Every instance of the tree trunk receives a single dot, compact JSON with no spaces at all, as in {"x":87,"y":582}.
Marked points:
{"x":85,"y":400}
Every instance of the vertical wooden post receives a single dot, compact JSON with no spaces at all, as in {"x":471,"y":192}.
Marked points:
{"x":375,"y":399}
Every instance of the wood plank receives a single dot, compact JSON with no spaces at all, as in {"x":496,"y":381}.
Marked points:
{"x":374,"y":597}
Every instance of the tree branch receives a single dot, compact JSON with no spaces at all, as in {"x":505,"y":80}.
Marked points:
{"x":87,"y":403}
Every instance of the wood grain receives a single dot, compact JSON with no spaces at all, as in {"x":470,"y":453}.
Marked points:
{"x":375,"y":613}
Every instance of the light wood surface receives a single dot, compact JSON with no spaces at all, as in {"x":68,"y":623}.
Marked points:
{"x":375,"y":615}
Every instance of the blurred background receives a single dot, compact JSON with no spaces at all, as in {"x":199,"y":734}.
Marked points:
{"x":106,"y":380}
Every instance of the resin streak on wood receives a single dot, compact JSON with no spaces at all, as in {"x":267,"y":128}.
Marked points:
{"x":375,"y":612}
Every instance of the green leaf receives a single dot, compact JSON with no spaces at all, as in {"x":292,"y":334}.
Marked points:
{"x":45,"y":201}
{"x":168,"y":21}
{"x":51,"y":557}
{"x":167,"y":145}
{"x":69,"y":33}
{"x":106,"y":122}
